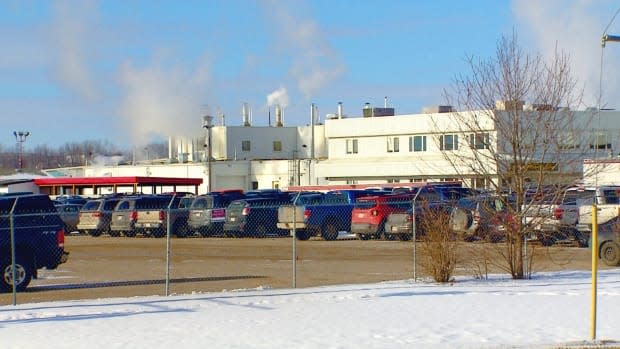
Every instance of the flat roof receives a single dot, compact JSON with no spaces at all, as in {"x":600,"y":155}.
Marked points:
{"x":76,"y":185}
{"x":127,"y":180}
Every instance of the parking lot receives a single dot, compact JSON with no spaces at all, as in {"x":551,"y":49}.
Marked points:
{"x":104,"y":267}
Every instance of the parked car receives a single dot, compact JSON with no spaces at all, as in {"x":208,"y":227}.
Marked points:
{"x":482,"y":217}
{"x":207,"y":212}
{"x":38,"y":237}
{"x":124,"y":217}
{"x":429,"y":203}
{"x":609,"y":242}
{"x":254,"y":217}
{"x":96,"y":215}
{"x":69,"y":199}
{"x":370,"y":213}
{"x":70,"y":215}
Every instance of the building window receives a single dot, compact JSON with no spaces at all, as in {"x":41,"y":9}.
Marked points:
{"x":600,"y":140}
{"x":393,"y":145}
{"x":351,"y":146}
{"x":568,"y":140}
{"x":277,"y":145}
{"x":448,"y":142}
{"x":417,"y":143}
{"x":245,"y":145}
{"x":479,"y":140}
{"x":254,"y":185}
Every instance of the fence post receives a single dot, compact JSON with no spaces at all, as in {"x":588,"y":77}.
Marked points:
{"x":12,"y":232}
{"x":414,"y":232}
{"x":167,"y":288}
{"x":294,"y":276}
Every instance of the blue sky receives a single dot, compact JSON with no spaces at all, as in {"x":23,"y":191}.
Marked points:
{"x":134,"y":71}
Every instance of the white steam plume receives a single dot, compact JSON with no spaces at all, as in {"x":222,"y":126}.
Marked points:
{"x":71,"y":38}
{"x":279,"y":96}
{"x":315,"y":62}
{"x":576,"y":27}
{"x":160,"y":101}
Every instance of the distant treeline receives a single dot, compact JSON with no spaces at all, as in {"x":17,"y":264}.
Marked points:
{"x":39,"y":157}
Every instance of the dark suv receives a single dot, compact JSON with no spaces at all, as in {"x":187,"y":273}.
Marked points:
{"x":255,"y":217}
{"x":609,"y":242}
{"x":39,"y":238}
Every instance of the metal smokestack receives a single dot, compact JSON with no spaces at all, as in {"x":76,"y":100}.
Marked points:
{"x":339,"y":110}
{"x":279,"y":122}
{"x":385,"y":102}
{"x":245,"y":114}
{"x":312,"y":113}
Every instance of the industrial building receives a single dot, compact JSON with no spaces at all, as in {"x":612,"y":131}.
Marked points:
{"x":377,"y":146}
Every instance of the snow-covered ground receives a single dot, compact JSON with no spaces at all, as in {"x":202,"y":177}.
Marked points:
{"x":548,"y":310}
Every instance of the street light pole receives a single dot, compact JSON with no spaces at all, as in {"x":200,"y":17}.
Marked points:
{"x":207,"y":122}
{"x":20,"y":137}
{"x":594,"y":234}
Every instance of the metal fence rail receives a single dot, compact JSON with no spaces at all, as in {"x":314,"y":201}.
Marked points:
{"x":166,"y":250}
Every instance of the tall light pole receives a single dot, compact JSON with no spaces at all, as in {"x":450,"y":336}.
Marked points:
{"x":594,"y":235}
{"x":207,"y":122}
{"x":20,"y":137}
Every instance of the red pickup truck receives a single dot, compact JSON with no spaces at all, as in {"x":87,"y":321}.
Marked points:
{"x":370,"y":213}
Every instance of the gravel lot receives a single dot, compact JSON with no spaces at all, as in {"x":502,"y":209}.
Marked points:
{"x":105,"y":267}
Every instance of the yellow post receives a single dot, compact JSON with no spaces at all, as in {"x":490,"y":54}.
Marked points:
{"x":594,"y":247}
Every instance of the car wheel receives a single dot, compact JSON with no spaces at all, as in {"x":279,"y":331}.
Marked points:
{"x":330,"y":231}
{"x":302,"y":235}
{"x":159,"y":233}
{"x":205,"y":232}
{"x":128,"y":233}
{"x":260,"y":231}
{"x":364,"y":236}
{"x":181,"y":230}
{"x":610,"y":254}
{"x":93,"y":232}
{"x":404,"y":237}
{"x":23,"y":273}
{"x":380,"y":232}
{"x":113,"y":233}
{"x":547,"y":240}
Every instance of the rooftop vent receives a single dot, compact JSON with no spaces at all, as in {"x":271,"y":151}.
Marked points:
{"x":437,"y":109}
{"x":369,"y":111}
{"x":540,"y":107}
{"x":509,"y":105}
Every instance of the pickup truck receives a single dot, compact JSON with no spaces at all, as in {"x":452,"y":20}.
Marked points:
{"x":154,"y":211}
{"x":39,"y":238}
{"x":325,"y":217}
{"x":553,"y":217}
{"x":607,"y":205}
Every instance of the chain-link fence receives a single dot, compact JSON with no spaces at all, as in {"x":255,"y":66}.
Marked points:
{"x":135,"y":245}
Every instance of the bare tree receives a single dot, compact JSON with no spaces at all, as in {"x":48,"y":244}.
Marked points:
{"x":520,"y":135}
